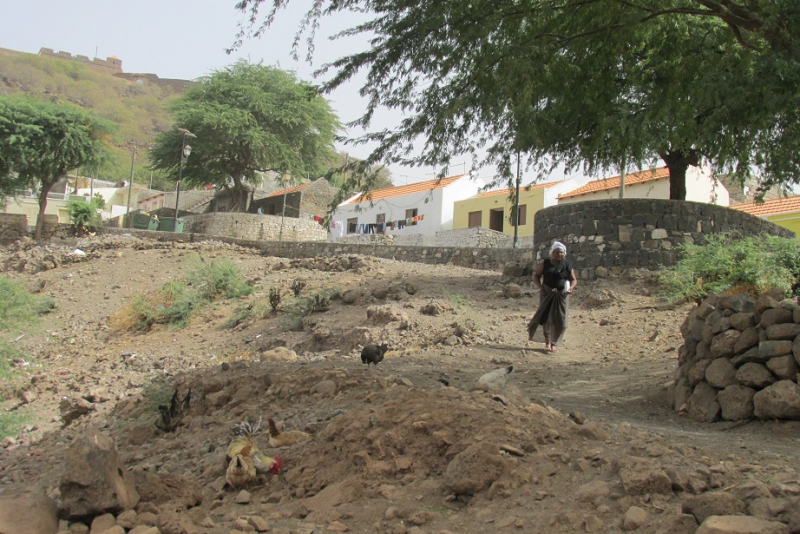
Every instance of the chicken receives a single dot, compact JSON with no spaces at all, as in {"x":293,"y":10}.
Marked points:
{"x":495,"y":379}
{"x":284,"y":439}
{"x":245,"y":460}
{"x":373,"y":354}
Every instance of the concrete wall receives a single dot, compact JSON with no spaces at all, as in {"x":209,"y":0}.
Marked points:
{"x":639,"y":233}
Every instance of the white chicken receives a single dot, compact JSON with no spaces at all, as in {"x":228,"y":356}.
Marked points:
{"x":495,"y":380}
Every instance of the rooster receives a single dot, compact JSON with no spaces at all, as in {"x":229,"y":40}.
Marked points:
{"x":373,"y":354}
{"x":284,"y":439}
{"x":495,"y":379}
{"x":245,"y":460}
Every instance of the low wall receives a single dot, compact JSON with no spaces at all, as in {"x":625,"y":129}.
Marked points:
{"x":740,"y":360}
{"x":13,"y":226}
{"x":495,"y":259}
{"x":636,"y":233}
{"x":250,"y":226}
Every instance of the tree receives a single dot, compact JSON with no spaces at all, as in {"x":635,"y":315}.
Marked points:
{"x":248,"y":118}
{"x":40,"y":142}
{"x":593,"y":82}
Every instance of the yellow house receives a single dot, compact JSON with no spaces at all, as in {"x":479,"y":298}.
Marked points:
{"x":28,"y":205}
{"x":494,"y":210}
{"x":784,"y":212}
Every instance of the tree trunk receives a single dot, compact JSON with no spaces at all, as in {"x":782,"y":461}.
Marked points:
{"x":46,"y":187}
{"x":677,"y":163}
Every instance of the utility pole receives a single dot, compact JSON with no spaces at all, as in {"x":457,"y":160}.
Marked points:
{"x":622,"y":179}
{"x":516,"y":206}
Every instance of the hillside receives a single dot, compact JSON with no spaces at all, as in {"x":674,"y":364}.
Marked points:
{"x":138,"y":110}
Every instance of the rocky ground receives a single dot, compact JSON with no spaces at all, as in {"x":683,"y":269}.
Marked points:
{"x":577,"y":441}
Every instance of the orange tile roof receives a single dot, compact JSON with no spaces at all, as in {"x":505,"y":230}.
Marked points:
{"x":294,"y":189}
{"x":400,"y":190}
{"x":770,"y":207}
{"x":612,"y":183}
{"x":522,"y":188}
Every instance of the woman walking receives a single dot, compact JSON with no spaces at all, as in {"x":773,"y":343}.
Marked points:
{"x":556,"y":280}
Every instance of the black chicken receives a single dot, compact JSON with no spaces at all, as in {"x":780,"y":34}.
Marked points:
{"x":373,"y":354}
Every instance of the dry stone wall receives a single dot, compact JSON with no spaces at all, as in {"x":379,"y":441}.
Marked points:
{"x":255,"y":227}
{"x":740,"y":360}
{"x":614,"y":235}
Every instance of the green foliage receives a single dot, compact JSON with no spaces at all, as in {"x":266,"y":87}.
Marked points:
{"x":12,"y":422}
{"x":218,"y":279}
{"x":177,"y":301}
{"x":41,"y":142}
{"x":83,"y":212}
{"x":316,"y":303}
{"x":18,"y":310}
{"x":680,"y":80}
{"x":248,"y":118}
{"x":729,"y":263}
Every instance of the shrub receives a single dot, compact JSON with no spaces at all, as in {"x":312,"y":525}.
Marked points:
{"x":85,"y":214}
{"x":176,"y":301}
{"x":727,"y":263}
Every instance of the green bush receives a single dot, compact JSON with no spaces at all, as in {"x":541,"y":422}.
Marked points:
{"x":176,"y":301}
{"x":728,"y":263}
{"x":84,"y":214}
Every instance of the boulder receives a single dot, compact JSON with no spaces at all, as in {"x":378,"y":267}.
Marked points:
{"x":740,"y":524}
{"x":784,"y":367}
{"x":747,"y":340}
{"x":703,"y":405}
{"x":474,"y":469}
{"x":27,"y":512}
{"x":754,"y":375}
{"x":712,"y":503}
{"x":783,"y":331}
{"x":723,"y":344}
{"x":776,"y":316}
{"x":95,"y":481}
{"x":721,"y":373}
{"x":778,"y":401}
{"x":772,"y":348}
{"x":736,"y":402}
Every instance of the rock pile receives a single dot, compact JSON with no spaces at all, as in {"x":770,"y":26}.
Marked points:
{"x":739,"y":359}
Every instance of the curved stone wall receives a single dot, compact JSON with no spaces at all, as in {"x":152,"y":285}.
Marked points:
{"x":636,"y":233}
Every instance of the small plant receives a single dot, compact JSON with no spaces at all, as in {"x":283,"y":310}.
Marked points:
{"x":320,"y":302}
{"x":176,"y":301}
{"x":729,"y":264}
{"x":298,"y":286}
{"x":274,"y":299}
{"x":84,"y":213}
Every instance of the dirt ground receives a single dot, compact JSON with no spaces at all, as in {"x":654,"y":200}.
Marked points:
{"x":578,"y":441}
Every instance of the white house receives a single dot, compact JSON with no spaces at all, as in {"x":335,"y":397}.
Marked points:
{"x":423,"y":208}
{"x":701,"y":186}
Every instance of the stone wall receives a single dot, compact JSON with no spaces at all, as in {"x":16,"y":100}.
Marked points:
{"x":636,"y":233}
{"x":249,"y":226}
{"x":13,"y":226}
{"x":740,"y":360}
{"x":493,"y":259}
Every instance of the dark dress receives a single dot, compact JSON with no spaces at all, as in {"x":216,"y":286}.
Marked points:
{"x":553,"y":311}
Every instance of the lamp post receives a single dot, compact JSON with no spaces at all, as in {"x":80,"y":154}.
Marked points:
{"x":185,"y":151}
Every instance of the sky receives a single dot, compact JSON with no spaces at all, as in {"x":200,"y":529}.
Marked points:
{"x":187,"y":39}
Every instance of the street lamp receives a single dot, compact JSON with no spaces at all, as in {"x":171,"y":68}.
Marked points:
{"x":185,"y":151}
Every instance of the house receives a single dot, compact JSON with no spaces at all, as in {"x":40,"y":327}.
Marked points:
{"x":701,"y":186}
{"x":419,"y":209}
{"x":495,"y":210}
{"x":784,"y":212}
{"x":309,"y":200}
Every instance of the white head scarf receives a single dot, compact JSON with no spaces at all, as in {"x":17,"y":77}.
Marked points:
{"x":558,"y":245}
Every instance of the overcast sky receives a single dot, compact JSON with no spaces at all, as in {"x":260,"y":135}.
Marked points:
{"x":184,"y":39}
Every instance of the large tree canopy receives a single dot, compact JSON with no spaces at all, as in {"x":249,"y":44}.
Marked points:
{"x":579,"y":82}
{"x":40,"y":142}
{"x":248,"y":118}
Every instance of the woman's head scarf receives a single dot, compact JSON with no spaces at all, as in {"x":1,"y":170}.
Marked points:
{"x":556,"y":246}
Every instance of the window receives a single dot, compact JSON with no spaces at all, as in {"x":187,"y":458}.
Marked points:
{"x":410,"y":214}
{"x":523,"y":212}
{"x":475,"y":218}
{"x":351,"y":225}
